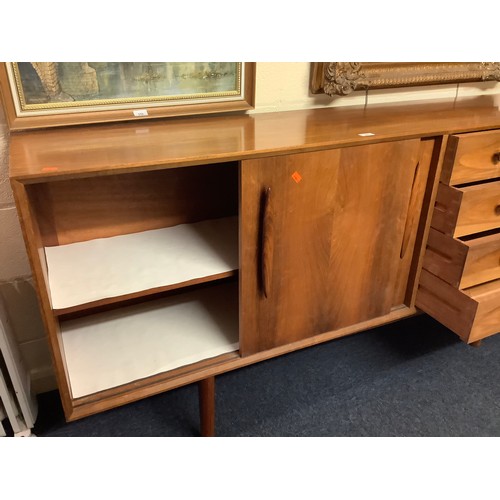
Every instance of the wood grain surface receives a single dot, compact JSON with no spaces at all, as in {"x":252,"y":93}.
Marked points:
{"x":339,"y":220}
{"x":157,"y":144}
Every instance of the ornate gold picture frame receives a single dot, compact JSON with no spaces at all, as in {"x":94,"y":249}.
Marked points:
{"x":343,"y":78}
{"x":49,"y":94}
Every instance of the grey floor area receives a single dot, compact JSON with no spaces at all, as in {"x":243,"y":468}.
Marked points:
{"x":410,"y":378}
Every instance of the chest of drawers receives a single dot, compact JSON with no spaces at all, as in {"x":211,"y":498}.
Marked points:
{"x":460,"y":281}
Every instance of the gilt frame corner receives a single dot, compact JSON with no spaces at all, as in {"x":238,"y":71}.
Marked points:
{"x":343,"y":78}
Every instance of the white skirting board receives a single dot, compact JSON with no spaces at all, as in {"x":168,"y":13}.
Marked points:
{"x":110,"y":267}
{"x":109,"y":349}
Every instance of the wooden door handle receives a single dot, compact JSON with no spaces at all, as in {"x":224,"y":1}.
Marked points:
{"x":411,"y":214}
{"x":267,"y":243}
{"x":496,"y":158}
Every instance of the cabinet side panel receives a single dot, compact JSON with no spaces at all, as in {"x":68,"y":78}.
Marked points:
{"x":36,"y":254}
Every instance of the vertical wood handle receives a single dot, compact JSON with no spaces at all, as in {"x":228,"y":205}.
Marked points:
{"x":267,"y":244}
{"x":496,"y":158}
{"x":411,"y":214}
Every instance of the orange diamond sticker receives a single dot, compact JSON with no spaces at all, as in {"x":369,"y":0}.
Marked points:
{"x":296,"y":177}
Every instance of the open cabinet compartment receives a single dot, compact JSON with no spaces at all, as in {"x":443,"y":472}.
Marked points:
{"x":141,"y":273}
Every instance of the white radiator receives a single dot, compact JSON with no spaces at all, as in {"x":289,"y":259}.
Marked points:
{"x":17,"y":403}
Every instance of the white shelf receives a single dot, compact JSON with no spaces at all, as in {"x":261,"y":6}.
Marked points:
{"x":109,"y":349}
{"x":87,"y":271}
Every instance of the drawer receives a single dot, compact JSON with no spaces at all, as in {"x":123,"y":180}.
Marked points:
{"x":463,"y":262}
{"x":472,"y":157}
{"x":472,"y":314}
{"x":467,"y":210}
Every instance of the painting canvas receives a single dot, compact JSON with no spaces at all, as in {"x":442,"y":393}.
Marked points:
{"x":157,"y":88}
{"x":62,"y":84}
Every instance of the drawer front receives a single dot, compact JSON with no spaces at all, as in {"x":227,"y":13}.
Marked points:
{"x":463,"y":264}
{"x":472,"y":314}
{"x":472,"y":157}
{"x":487,"y":319}
{"x":483,"y":260}
{"x":468,"y":210}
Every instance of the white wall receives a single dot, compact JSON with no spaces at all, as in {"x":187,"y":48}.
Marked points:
{"x":279,"y":87}
{"x":285,"y":86}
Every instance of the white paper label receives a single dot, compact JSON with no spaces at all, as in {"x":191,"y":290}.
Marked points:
{"x":366,"y":134}
{"x":141,"y":112}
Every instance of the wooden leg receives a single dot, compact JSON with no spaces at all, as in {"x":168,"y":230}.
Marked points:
{"x":206,"y":395}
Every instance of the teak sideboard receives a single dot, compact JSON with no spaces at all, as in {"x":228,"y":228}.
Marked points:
{"x":166,"y":252}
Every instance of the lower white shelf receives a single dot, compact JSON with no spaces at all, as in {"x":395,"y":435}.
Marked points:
{"x":109,"y":349}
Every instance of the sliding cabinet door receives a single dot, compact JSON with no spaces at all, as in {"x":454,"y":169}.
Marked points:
{"x":321,"y":239}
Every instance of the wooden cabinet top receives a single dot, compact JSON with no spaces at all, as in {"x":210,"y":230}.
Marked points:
{"x":149,"y":144}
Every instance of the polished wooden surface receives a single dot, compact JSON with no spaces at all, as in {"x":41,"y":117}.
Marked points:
{"x":480,"y":209}
{"x":445,"y":257}
{"x":472,"y":157}
{"x":417,"y":213}
{"x":430,"y":163}
{"x":487,"y":319}
{"x":467,"y":210}
{"x":473,"y":314}
{"x":465,"y":263}
{"x":153,"y":144}
{"x":340,"y":222}
{"x":446,"y":304}
{"x":483,"y":262}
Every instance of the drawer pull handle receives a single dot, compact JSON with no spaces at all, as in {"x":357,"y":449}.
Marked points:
{"x":496,"y":158}
{"x":267,"y":243}
{"x":497,"y":210}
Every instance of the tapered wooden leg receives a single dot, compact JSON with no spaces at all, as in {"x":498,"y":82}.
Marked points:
{"x":206,"y":395}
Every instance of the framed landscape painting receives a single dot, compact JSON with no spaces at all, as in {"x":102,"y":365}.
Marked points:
{"x":48,"y":94}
